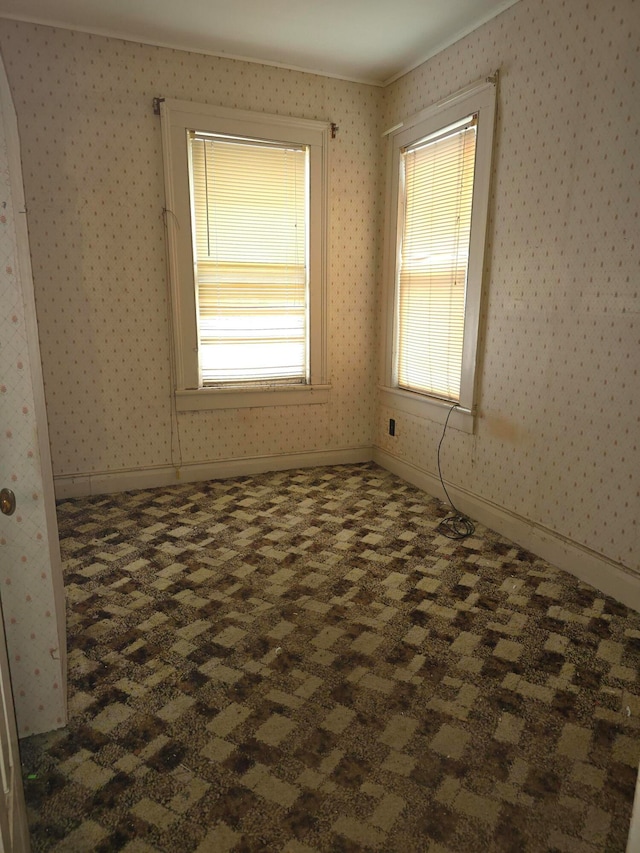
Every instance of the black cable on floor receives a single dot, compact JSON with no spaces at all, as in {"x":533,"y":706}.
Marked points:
{"x":458,"y":525}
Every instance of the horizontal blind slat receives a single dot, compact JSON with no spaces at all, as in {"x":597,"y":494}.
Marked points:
{"x":250,"y":242}
{"x":433,"y":260}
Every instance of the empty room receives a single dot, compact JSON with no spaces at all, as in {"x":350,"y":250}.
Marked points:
{"x":320,"y":412}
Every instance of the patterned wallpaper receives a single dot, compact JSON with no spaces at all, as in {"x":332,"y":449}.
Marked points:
{"x":557,"y":438}
{"x":27,"y":572}
{"x":93,"y":176}
{"x":556,"y":441}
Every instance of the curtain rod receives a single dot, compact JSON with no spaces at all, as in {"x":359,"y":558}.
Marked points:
{"x":158,"y":101}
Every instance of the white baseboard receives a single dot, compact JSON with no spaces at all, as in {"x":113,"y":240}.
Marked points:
{"x":107,"y":482}
{"x":609,"y":577}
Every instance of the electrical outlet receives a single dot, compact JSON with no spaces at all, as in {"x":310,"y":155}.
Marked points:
{"x":392,"y":426}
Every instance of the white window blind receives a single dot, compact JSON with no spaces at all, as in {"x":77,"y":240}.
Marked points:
{"x":250,"y":227}
{"x":436,"y":190}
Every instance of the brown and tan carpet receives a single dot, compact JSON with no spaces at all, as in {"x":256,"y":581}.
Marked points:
{"x":300,"y":662}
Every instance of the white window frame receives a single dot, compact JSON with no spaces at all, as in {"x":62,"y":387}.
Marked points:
{"x":480,"y":99}
{"x":178,"y":118}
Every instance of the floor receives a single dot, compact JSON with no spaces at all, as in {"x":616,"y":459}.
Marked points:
{"x":301,"y":662}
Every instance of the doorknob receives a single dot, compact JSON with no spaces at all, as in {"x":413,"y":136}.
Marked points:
{"x":7,"y":502}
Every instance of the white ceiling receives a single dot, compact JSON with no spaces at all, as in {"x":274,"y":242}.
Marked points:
{"x":371,"y":41}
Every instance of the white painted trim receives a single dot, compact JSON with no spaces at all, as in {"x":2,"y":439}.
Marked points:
{"x":477,"y":98}
{"x":609,"y":577}
{"x":177,"y":119}
{"x":473,"y":90}
{"x":428,"y":408}
{"x":253,"y":397}
{"x":107,"y":32}
{"x":107,"y":482}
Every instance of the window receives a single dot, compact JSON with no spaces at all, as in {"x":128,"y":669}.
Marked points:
{"x":246,"y":219}
{"x":439,"y":193}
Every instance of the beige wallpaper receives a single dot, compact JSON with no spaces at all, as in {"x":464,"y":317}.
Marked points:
{"x":29,"y":576}
{"x":93,"y":177}
{"x":557,"y":437}
{"x":557,"y":440}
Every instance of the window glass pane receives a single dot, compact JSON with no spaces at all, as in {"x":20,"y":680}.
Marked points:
{"x":436,"y":191}
{"x":250,"y":219}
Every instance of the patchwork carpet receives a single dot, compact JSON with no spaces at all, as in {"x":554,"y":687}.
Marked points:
{"x":301,"y":662}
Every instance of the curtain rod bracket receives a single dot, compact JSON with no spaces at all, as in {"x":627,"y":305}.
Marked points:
{"x":156,"y":105}
{"x":334,"y":130}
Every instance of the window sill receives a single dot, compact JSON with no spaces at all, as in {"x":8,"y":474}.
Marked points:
{"x":427,"y":407}
{"x":203,"y":399}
